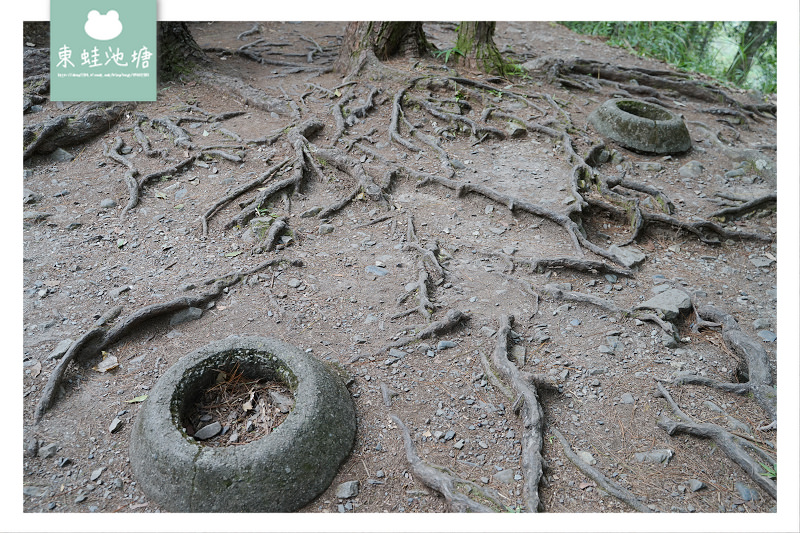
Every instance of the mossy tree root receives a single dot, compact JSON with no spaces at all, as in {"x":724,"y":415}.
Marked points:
{"x":706,"y":231}
{"x":749,"y":206}
{"x":70,"y":129}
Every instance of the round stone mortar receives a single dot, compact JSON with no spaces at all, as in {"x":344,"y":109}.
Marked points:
{"x":280,"y":472}
{"x":641,"y":126}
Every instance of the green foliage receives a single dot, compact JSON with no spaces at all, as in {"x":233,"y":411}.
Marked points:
{"x":447,"y":52}
{"x":511,"y":509}
{"x":706,"y":47}
{"x":770,"y":471}
{"x":515,"y":69}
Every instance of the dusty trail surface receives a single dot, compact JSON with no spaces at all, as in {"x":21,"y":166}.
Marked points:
{"x":400,"y":246}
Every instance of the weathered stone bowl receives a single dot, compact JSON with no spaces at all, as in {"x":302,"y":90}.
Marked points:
{"x":641,"y":126}
{"x":280,"y":472}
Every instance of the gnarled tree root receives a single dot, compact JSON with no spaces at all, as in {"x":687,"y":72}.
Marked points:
{"x":747,"y":207}
{"x":612,"y":488}
{"x":65,"y":130}
{"x":754,"y":365}
{"x":572,"y":296}
{"x":736,"y":448}
{"x":443,"y":481}
{"x":91,"y":343}
{"x":269,"y":243}
{"x":453,"y":318}
{"x":233,"y":195}
{"x":298,"y":137}
{"x":530,"y":412}
{"x":698,"y":228}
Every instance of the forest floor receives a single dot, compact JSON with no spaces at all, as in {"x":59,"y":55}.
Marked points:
{"x":354,"y":286}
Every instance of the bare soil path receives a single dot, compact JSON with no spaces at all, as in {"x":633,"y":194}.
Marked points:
{"x":464,"y":193}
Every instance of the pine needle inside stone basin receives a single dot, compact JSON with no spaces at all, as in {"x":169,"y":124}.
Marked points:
{"x":641,"y":126}
{"x":279,"y":472}
{"x":237,"y":409}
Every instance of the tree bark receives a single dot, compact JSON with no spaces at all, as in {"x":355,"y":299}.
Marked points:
{"x":476,"y":42}
{"x":379,"y":40}
{"x":178,"y":53}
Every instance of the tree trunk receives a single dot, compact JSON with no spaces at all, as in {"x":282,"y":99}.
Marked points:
{"x":706,"y":33}
{"x":365,"y":41}
{"x":178,"y":53}
{"x":475,"y":43}
{"x":755,"y":35}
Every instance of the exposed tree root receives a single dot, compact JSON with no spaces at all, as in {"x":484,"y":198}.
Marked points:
{"x":612,"y":488}
{"x":530,"y":412}
{"x":180,"y":137}
{"x":249,"y":94}
{"x":461,"y":188}
{"x":90,"y":344}
{"x":572,"y":263}
{"x":428,"y":266}
{"x":353,"y":168}
{"x":255,"y":29}
{"x":445,"y":482}
{"x":66,"y":130}
{"x":558,"y":292}
{"x":753,"y":366}
{"x":397,"y":113}
{"x":130,"y":175}
{"x":132,"y":181}
{"x":748,"y":207}
{"x":736,"y":448}
{"x":233,"y":195}
{"x":425,"y":306}
{"x":298,"y":137}
{"x":707,"y":231}
{"x":452,"y":319}
{"x":651,"y":78}
{"x":276,"y":229}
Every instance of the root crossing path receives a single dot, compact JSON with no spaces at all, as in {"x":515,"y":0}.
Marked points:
{"x":521,"y":308}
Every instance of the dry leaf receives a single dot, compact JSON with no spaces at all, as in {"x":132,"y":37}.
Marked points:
{"x":109,"y":362}
{"x":248,"y":405}
{"x":138,"y":399}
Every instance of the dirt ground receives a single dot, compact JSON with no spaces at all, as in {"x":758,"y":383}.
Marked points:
{"x":84,"y":259}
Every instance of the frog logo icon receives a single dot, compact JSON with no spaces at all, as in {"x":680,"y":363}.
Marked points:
{"x":103,"y":27}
